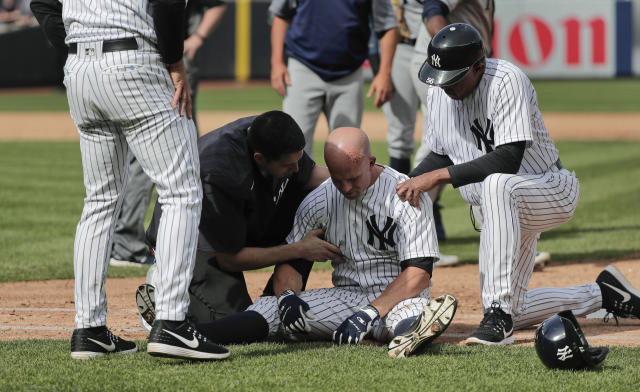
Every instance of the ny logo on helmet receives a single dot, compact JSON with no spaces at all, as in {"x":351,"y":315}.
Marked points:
{"x":435,"y":60}
{"x":564,"y":353}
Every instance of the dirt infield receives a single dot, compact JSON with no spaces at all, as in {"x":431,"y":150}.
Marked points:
{"x":44,"y":309}
{"x":599,"y":126}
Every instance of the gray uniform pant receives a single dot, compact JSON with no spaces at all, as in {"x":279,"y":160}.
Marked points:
{"x":401,"y":110}
{"x":128,"y":237}
{"x":308,"y":95}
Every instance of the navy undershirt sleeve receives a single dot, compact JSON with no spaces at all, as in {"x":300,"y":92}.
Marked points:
{"x":168,"y":22}
{"x":425,"y":263}
{"x":431,"y":162}
{"x":505,"y":158}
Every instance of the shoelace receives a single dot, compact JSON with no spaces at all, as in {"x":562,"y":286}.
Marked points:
{"x":493,"y":319}
{"x":196,"y":333}
{"x":113,"y":337}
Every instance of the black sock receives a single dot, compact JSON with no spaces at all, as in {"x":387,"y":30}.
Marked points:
{"x":403,"y":165}
{"x":243,"y":327}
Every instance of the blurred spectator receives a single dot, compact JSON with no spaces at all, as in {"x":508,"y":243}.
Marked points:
{"x":15,"y":14}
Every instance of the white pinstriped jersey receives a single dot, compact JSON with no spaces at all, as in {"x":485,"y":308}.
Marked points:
{"x":375,"y":232}
{"x":502,"y":109}
{"x":107,"y":19}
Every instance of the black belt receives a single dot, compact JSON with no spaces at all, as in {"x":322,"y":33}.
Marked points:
{"x":111,"y":45}
{"x":408,"y":41}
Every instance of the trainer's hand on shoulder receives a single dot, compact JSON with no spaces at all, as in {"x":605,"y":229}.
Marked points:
{"x":411,"y":189}
{"x":294,"y":313}
{"x":382,"y":86}
{"x":314,"y":248}
{"x":280,"y":78}
{"x":182,"y":95}
{"x":356,"y":327}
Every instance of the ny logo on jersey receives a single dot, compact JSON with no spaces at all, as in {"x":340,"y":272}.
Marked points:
{"x":484,"y":136}
{"x":435,"y":60}
{"x":384,"y":236}
{"x":564,"y":353}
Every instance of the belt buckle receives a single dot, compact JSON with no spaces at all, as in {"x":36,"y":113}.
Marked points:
{"x":90,"y":51}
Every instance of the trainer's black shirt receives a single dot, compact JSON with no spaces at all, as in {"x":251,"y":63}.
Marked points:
{"x":240,"y":206}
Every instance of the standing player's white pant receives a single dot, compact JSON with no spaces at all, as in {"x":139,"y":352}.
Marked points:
{"x":121,"y":102}
{"x":332,"y":306}
{"x":308,"y":95}
{"x":401,"y":110}
{"x":515,"y":210}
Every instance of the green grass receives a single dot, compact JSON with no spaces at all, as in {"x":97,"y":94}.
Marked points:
{"x":43,"y":365}
{"x":607,"y":95}
{"x":41,"y":195}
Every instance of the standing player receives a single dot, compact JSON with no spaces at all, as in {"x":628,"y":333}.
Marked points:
{"x":326,"y":42}
{"x":382,"y":287}
{"x":127,"y":91}
{"x":487,"y":137}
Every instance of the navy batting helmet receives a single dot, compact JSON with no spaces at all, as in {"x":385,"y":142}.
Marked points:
{"x":560,"y":344}
{"x":451,"y":54}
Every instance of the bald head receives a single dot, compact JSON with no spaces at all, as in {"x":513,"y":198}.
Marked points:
{"x":346,"y":146}
{"x":348,"y":156}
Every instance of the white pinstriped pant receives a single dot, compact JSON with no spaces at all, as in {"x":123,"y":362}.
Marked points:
{"x":332,"y":306}
{"x":121,"y":102}
{"x":515,"y":210}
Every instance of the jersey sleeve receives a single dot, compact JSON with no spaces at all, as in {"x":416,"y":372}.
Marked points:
{"x":383,"y":16}
{"x":436,"y":121}
{"x":512,"y":117}
{"x":311,"y":214}
{"x":416,"y":231}
{"x":222,"y":222}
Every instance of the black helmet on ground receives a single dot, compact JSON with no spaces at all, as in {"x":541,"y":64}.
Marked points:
{"x":452,"y":53}
{"x":560,"y":344}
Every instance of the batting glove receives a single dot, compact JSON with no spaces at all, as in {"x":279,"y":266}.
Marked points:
{"x":353,"y":329}
{"x":294,"y":313}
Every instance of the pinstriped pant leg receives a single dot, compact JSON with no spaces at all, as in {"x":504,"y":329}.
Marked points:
{"x":516,"y":209}
{"x":544,"y":302}
{"x":104,"y":160}
{"x":137,"y":92}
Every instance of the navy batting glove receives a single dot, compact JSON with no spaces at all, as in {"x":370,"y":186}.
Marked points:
{"x":294,"y":313}
{"x":353,"y":329}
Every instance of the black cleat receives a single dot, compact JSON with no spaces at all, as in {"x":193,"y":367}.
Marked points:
{"x":431,"y":323}
{"x":182,"y":341}
{"x":619,"y":297}
{"x":94,"y":342}
{"x":496,"y":329}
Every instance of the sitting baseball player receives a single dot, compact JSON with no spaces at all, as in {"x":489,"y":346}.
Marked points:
{"x":488,"y":139}
{"x":381,"y":289}
{"x":254,"y":175}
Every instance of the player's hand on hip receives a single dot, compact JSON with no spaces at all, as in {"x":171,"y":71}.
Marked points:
{"x":356,"y":327}
{"x":314,"y":248}
{"x":182,"y":95}
{"x":382,"y":87}
{"x":280,"y":78}
{"x":294,"y":313}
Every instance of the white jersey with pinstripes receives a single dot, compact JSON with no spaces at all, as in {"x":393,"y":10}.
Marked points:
{"x":107,"y":19}
{"x":375,"y":231}
{"x":502,"y":109}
